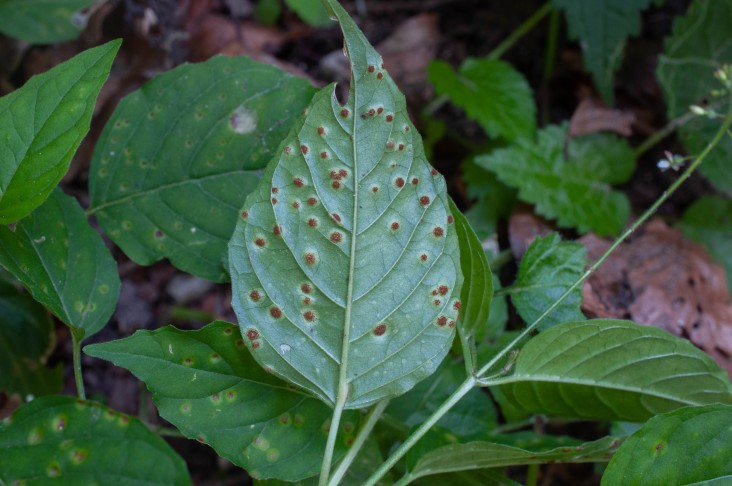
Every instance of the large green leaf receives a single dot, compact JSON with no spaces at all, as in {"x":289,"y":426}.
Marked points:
{"x":205,"y":383}
{"x":491,"y":92}
{"x":63,"y":262}
{"x":549,"y":267}
{"x":690,"y":445}
{"x":602,"y":27}
{"x":179,"y":156}
{"x":311,"y":11}
{"x":65,"y":441}
{"x":699,"y":44}
{"x":709,"y":221}
{"x":26,"y":340}
{"x":345,"y":260}
{"x":41,"y":126}
{"x":576,"y":192}
{"x":42,"y":21}
{"x":610,"y":369}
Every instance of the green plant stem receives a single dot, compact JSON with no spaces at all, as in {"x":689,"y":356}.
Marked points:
{"x":662,"y":133}
{"x":549,"y":62}
{"x":519,"y":32}
{"x":532,"y":475}
{"x":168,"y":432}
{"x":467,"y":345}
{"x":77,"y":335}
{"x":363,"y":434}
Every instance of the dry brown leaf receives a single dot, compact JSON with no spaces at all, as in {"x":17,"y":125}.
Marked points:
{"x":523,"y":227}
{"x":593,"y":116}
{"x":662,"y":279}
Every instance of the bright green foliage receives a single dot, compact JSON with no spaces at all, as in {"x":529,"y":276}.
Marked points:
{"x":206,"y":384}
{"x":42,"y":21}
{"x":477,"y":278}
{"x":549,"y":267}
{"x":495,"y":200}
{"x":610,"y":369}
{"x":311,"y":11}
{"x":574,"y":191}
{"x":698,"y":45}
{"x":268,"y":11}
{"x":480,"y":455}
{"x":602,"y":27}
{"x":709,"y":221}
{"x":26,"y":340}
{"x":42,"y":125}
{"x":178,"y":157}
{"x":63,"y":262}
{"x":345,"y":258}
{"x":64,"y":441}
{"x":491,"y":92}
{"x":687,"y":446}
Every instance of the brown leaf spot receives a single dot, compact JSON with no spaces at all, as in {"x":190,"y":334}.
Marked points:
{"x":336,"y":237}
{"x":438,"y":231}
{"x":252,"y":334}
{"x":254,"y":295}
{"x":275,"y":312}
{"x":298,"y":182}
{"x":380,"y":329}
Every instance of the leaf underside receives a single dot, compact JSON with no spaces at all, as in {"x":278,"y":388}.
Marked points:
{"x":345,"y":257}
{"x":41,"y":21}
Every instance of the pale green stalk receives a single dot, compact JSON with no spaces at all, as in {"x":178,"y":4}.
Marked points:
{"x":77,"y":335}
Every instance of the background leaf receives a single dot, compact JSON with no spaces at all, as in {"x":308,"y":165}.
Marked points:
{"x":576,"y":192}
{"x":311,"y":11}
{"x":42,"y":125}
{"x":179,"y":156}
{"x":686,"y":446}
{"x":495,"y":200}
{"x":610,"y":369}
{"x":63,"y":262}
{"x":26,"y":340}
{"x":42,"y":21}
{"x":602,"y":28}
{"x":63,"y":440}
{"x":549,"y":267}
{"x":206,"y":384}
{"x":348,"y":241}
{"x":491,"y":92}
{"x":698,"y":45}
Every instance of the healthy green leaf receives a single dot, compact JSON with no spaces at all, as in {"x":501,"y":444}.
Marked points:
{"x":491,"y":92}
{"x":345,"y":260}
{"x":709,"y":221}
{"x":179,"y":156}
{"x":480,"y":455}
{"x":311,"y":11}
{"x":576,"y":191}
{"x":268,"y":11}
{"x":41,"y":126}
{"x":687,"y":446}
{"x":602,"y":27}
{"x":549,"y":267}
{"x":699,"y":44}
{"x":495,"y":200}
{"x":63,"y":262}
{"x":206,"y":384}
{"x":42,"y":21}
{"x":26,"y":340}
{"x":610,"y":369}
{"x":64,"y":441}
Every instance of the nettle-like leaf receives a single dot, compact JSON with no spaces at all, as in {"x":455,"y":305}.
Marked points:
{"x":687,"y":446}
{"x":63,"y":440}
{"x":179,"y":156}
{"x":206,"y":384}
{"x":491,"y":92}
{"x":574,"y":191}
{"x":63,"y":262}
{"x":345,"y":259}
{"x":42,"y":125}
{"x":699,"y":44}
{"x":709,"y":221}
{"x":26,"y":340}
{"x":602,"y":27}
{"x":42,"y":21}
{"x":610,"y":369}
{"x":549,"y":267}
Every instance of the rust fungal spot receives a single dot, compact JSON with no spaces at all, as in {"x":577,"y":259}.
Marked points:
{"x":442,"y":289}
{"x":401,"y":146}
{"x":390,"y":118}
{"x":336,"y":237}
{"x":306,"y":288}
{"x":380,"y":75}
{"x":252,"y":334}
{"x":287,"y":150}
{"x":254,"y":295}
{"x":390,"y":145}
{"x":415,"y":181}
{"x":452,"y":324}
{"x":255,"y":344}
{"x":423,"y":257}
{"x":323,"y":155}
{"x":424,"y":200}
{"x":274,"y":200}
{"x":313,"y":223}
{"x":321,"y":130}
{"x":336,"y":217}
{"x":344,"y":113}
{"x":380,"y":110}
{"x":309,"y":316}
{"x":438,"y":231}
{"x":296,"y":204}
{"x":433,"y":172}
{"x":442,"y":321}
{"x":437,"y":302}
{"x":275,"y":312}
{"x":406,"y":128}
{"x":450,"y":219}
{"x":394,"y":226}
{"x":342,"y":173}
{"x":275,"y":190}
{"x":399,"y":182}
{"x":336,"y":185}
{"x":306,"y":300}
{"x":312,"y":201}
{"x":244,"y":214}
{"x":159,"y":234}
{"x":371,"y":69}
{"x":310,"y":258}
{"x":368,"y":114}
{"x":380,"y":329}
{"x":374,"y":189}
{"x":298,"y":182}
{"x":260,"y":242}
{"x":277,"y":230}
{"x":304,"y":149}
{"x":457,"y":305}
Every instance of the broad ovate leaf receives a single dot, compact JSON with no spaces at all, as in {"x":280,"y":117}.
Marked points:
{"x":42,"y":125}
{"x":62,"y":440}
{"x":345,"y":258}
{"x":699,"y":45}
{"x":491,"y":92}
{"x":63,"y":262}
{"x":687,"y":446}
{"x":576,"y":190}
{"x":179,"y":156}
{"x":206,"y":383}
{"x":42,"y":21}
{"x":548,"y":268}
{"x":611,"y":369}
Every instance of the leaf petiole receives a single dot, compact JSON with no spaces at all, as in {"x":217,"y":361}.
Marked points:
{"x":77,"y":335}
